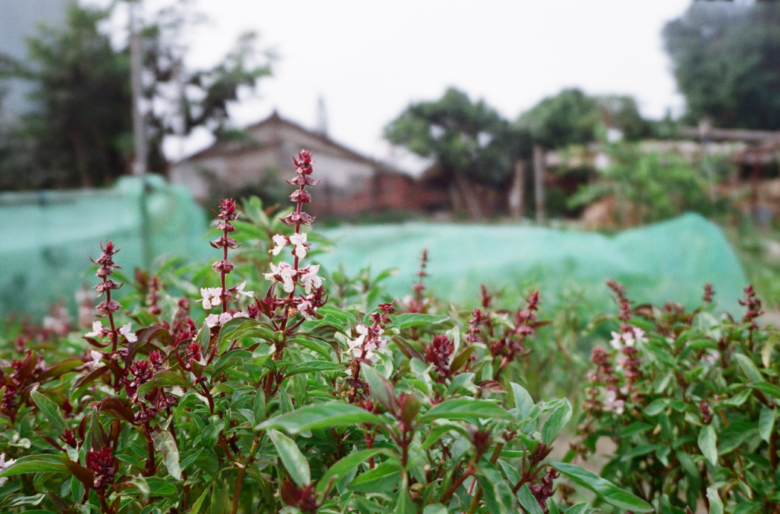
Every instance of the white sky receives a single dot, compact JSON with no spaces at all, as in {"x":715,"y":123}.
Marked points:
{"x":369,"y":59}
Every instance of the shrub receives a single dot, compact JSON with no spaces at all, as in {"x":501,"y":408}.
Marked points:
{"x":690,"y":401}
{"x":277,"y":402}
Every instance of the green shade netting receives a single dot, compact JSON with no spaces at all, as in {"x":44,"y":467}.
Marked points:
{"x":48,"y":237}
{"x":671,"y":260}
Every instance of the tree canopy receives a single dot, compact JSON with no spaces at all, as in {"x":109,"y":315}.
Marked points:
{"x":468,"y":139}
{"x":726,"y":60}
{"x":574,"y":118}
{"x":80,"y":133}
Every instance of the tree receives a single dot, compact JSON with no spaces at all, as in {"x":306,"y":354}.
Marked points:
{"x":573,"y":118}
{"x":80,"y":134}
{"x":727,"y":63}
{"x":469,"y":141}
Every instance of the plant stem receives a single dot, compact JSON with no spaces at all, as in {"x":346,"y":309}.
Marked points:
{"x":478,"y":494}
{"x":240,"y":478}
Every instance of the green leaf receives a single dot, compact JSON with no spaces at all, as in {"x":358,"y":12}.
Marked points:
{"x":635,"y":429}
{"x":528,"y":501}
{"x":18,"y":501}
{"x":405,"y":504}
{"x":166,"y":445}
{"x":580,"y":508}
{"x":381,"y":388}
{"x":241,"y":327}
{"x":767,"y":388}
{"x":324,"y":415}
{"x":749,"y":367}
{"x":163,"y":378}
{"x":556,"y":422}
{"x":50,"y":410}
{"x":296,"y":464}
{"x":466,"y":409}
{"x":435,"y":508}
{"x":347,"y":464}
{"x":60,"y":368}
{"x":313,"y":366}
{"x":199,"y":502}
{"x":384,"y":477}
{"x":34,"y":464}
{"x":498,"y":494}
{"x":766,"y":422}
{"x":603,"y":488}
{"x":410,"y":320}
{"x":523,"y":401}
{"x":159,"y":487}
{"x":716,"y":505}
{"x":708,"y":444}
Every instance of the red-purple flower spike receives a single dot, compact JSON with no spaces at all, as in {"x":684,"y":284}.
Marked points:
{"x":101,"y":463}
{"x":108,"y":306}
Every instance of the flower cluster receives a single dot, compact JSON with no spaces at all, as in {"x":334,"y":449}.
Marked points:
{"x":292,"y":275}
{"x":510,"y":346}
{"x":363,"y":349}
{"x":753,"y":304}
{"x":418,"y":303}
{"x":439,"y":354}
{"x":102,"y":464}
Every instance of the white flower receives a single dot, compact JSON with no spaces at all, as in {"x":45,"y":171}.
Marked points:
{"x":5,"y":464}
{"x":356,"y":345}
{"x":299,"y":240}
{"x":97,"y":360}
{"x":212,"y":320}
{"x":240,"y":290}
{"x":127,"y":331}
{"x":711,"y":356}
{"x":306,"y":309}
{"x":287,"y":274}
{"x":639,"y":335}
{"x":310,"y":279}
{"x":613,"y":404}
{"x":281,"y":242}
{"x":212,"y":296}
{"x":97,"y":330}
{"x":631,"y":336}
{"x":617,"y":340}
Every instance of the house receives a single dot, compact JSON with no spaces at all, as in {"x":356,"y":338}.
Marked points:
{"x":352,"y":183}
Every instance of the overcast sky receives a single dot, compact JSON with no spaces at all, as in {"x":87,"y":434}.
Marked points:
{"x":369,"y":59}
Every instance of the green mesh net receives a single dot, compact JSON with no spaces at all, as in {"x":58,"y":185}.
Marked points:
{"x":665,"y":261}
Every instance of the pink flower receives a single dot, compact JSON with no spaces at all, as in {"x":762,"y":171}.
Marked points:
{"x":98,"y":330}
{"x":281,"y":242}
{"x":310,"y":278}
{"x":301,"y":246}
{"x":212,"y":296}
{"x":126,"y":330}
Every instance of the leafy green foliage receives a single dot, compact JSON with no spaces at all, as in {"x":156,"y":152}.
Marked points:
{"x":655,"y":186}
{"x":80,"y":134}
{"x":725,"y":59}
{"x":573,"y":118}
{"x":691,"y":407}
{"x":278,"y":403}
{"x":468,"y":141}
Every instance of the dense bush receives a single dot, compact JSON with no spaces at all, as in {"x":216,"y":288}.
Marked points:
{"x":690,"y":399}
{"x":288,"y":401}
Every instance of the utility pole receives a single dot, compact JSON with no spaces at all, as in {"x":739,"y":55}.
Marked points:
{"x":539,"y":183}
{"x":517,"y":192}
{"x":139,"y":133}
